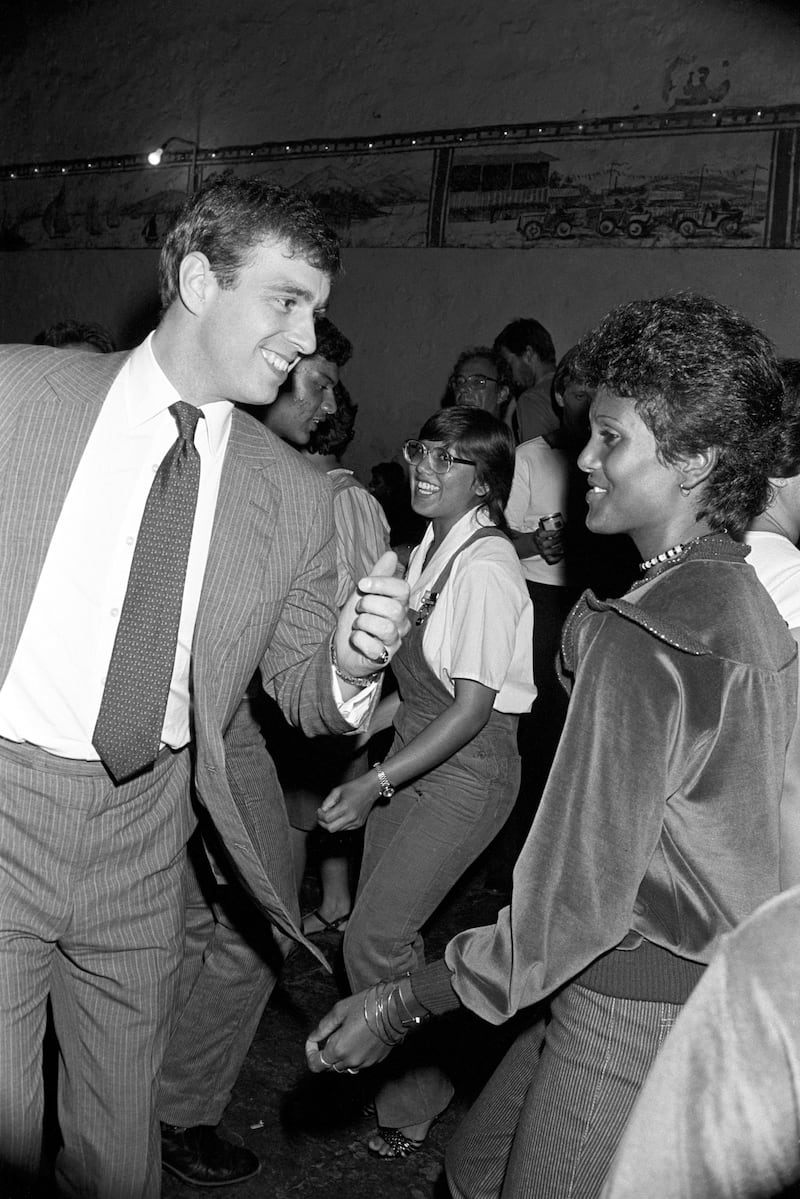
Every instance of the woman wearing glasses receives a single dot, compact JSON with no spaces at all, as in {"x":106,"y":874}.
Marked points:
{"x":464,"y":674}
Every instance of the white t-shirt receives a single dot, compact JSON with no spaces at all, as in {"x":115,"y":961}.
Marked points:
{"x":540,"y":487}
{"x":777,"y":563}
{"x":481,"y":626}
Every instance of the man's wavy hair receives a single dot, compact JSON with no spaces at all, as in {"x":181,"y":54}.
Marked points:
{"x":475,"y":434}
{"x":700,"y":375}
{"x":228,"y":217}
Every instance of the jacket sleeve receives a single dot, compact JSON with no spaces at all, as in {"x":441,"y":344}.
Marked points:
{"x":600,"y":818}
{"x":296,"y":668}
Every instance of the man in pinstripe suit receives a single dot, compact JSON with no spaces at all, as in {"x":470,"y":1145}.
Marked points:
{"x":91,"y":872}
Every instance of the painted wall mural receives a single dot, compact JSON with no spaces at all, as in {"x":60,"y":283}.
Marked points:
{"x":696,"y":174}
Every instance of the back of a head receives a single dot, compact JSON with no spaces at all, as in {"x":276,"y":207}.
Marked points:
{"x":76,"y":335}
{"x":229,"y":216}
{"x":787,"y":458}
{"x":526,"y":332}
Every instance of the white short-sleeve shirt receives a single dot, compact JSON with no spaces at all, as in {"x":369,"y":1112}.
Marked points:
{"x":540,"y":488}
{"x":481,"y":626}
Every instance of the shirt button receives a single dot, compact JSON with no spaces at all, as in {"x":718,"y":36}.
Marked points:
{"x":115,"y":611}
{"x":129,"y":540}
{"x":155,"y":467}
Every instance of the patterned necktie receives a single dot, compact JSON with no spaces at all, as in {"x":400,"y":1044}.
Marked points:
{"x":131,"y":718}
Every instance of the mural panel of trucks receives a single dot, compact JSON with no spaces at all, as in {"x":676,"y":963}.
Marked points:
{"x":525,"y":197}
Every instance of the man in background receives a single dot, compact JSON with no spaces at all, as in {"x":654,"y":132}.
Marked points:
{"x":529,"y":351}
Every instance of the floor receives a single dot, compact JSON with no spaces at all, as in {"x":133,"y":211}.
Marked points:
{"x":308,"y":1129}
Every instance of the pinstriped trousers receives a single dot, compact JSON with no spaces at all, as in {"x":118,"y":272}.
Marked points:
{"x":91,"y":913}
{"x":229,"y":970}
{"x":547,"y":1124}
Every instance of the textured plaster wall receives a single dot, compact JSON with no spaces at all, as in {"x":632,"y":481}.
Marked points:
{"x":86,"y":77}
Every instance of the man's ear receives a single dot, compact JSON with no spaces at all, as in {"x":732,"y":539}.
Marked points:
{"x":196,"y":280}
{"x":694,"y":469}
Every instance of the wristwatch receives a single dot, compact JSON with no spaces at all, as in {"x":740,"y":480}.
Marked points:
{"x":387,"y":790}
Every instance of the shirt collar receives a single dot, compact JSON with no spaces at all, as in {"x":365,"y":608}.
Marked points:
{"x":461,"y":531}
{"x":150,"y":393}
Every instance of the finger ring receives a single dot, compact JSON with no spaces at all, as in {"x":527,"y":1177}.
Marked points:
{"x":328,"y":1065}
{"x":336,"y":1070}
{"x":350,"y":1070}
{"x":383,"y":657}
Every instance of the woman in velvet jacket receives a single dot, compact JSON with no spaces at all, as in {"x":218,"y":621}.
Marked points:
{"x":658,"y":830}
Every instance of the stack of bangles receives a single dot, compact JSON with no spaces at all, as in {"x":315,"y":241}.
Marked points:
{"x":387,"y":1013}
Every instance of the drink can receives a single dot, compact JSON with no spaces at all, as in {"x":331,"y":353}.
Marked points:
{"x":550,"y":523}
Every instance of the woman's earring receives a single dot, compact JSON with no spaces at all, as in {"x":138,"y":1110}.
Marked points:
{"x":684,"y":490}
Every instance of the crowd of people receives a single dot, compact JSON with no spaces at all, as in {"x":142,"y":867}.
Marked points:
{"x":577,"y":661}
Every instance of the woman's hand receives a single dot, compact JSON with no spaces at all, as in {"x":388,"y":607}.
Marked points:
{"x":341,"y":1041}
{"x":348,"y":806}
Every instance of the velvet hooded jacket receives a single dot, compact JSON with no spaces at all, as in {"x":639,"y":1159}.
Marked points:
{"x":659,"y":822}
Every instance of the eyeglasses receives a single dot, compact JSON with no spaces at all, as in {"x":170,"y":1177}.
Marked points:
{"x":472,"y":381}
{"x":439,"y":460}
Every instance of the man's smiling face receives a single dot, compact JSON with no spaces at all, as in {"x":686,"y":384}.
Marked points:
{"x":253,"y":334}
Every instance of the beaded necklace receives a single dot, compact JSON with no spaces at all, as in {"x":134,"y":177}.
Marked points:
{"x":675,"y":551}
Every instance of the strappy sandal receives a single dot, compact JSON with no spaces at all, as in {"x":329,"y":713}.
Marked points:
{"x":328,"y":926}
{"x":396,"y":1141}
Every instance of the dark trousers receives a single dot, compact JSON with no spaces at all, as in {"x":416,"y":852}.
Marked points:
{"x":539,"y":730}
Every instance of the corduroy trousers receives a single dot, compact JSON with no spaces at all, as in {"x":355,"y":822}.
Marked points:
{"x":547,"y":1123}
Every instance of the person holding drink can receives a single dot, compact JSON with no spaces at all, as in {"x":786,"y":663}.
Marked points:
{"x":539,"y":497}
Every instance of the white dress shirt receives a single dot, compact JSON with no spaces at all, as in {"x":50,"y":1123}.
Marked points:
{"x":52,"y":694}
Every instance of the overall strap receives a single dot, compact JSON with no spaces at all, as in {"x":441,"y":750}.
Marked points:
{"x":444,"y":574}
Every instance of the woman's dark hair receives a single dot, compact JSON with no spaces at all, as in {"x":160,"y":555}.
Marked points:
{"x":499,"y":366}
{"x":787,"y":458}
{"x":473,"y":433}
{"x":700,"y":376}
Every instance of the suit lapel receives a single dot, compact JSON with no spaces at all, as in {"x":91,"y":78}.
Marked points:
{"x":244,"y":526}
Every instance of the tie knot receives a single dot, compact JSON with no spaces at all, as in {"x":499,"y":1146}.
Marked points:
{"x":186,"y":418}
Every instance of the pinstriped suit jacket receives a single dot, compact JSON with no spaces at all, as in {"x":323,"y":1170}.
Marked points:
{"x":267,"y":597}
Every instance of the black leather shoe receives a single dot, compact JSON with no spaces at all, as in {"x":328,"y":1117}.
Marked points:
{"x":199,"y":1156}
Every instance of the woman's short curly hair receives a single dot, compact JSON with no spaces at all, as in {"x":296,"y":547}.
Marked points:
{"x":700,"y":375}
{"x":475,"y":434}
